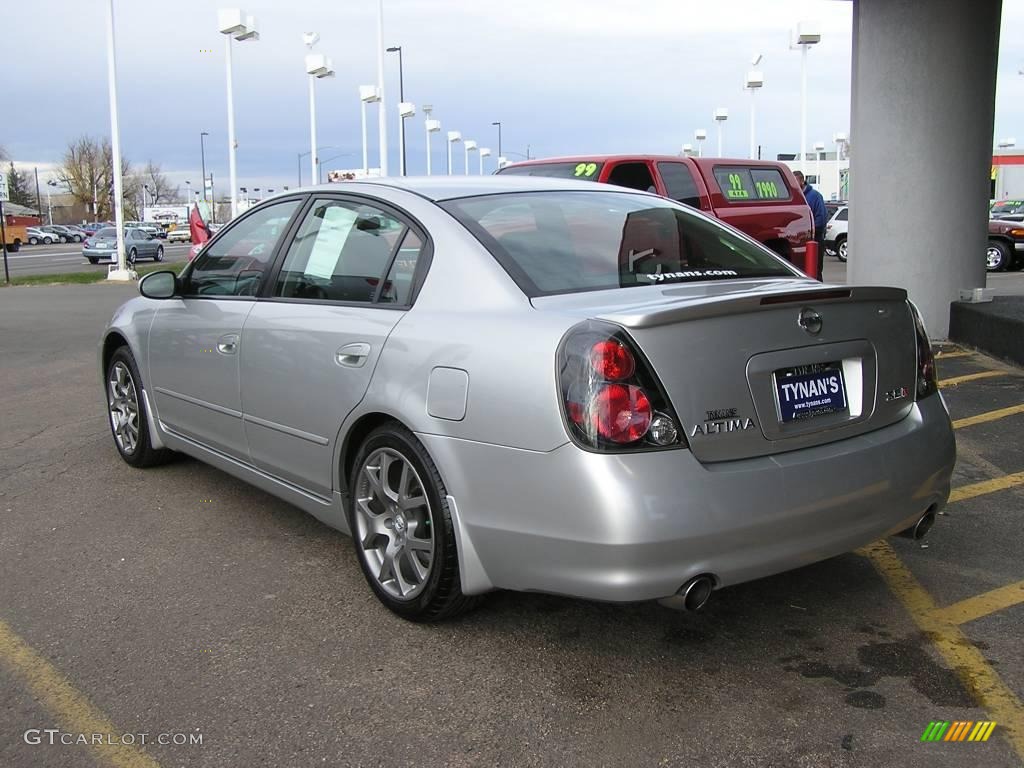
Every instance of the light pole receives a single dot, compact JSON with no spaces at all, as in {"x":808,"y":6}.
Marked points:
{"x":121,"y":273}
{"x":806,"y":35}
{"x":401,"y":100}
{"x":498,"y":123}
{"x":484,"y":152}
{"x":453,"y":137}
{"x":368,"y":94}
{"x":318,"y":67}
{"x":405,"y":110}
{"x":839,"y":139}
{"x":819,"y":147}
{"x":234,"y":24}
{"x":687,"y":150}
{"x":382,"y":123}
{"x":755,"y":80}
{"x":432,"y":126}
{"x":49,"y":203}
{"x":469,"y":146}
{"x":202,"y":155}
{"x":699,"y":136}
{"x":721,"y":115}
{"x":188,"y":196}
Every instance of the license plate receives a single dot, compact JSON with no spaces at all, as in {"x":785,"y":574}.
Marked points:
{"x":808,"y":391}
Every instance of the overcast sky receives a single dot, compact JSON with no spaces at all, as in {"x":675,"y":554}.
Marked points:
{"x":564,"y":77}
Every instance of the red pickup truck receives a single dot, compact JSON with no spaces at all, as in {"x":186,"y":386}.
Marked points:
{"x":758,"y":197}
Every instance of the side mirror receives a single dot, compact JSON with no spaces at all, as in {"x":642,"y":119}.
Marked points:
{"x":159,"y":285}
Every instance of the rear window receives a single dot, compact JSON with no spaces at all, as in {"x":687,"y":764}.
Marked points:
{"x":741,"y":185}
{"x":569,"y":242}
{"x":108,"y":232}
{"x":582,"y":170}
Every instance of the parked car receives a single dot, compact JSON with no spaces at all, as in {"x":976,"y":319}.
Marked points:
{"x":137,"y":243}
{"x":94,"y":227}
{"x":65,"y":234}
{"x":36,"y":236}
{"x":831,"y":206}
{"x":535,"y":384}
{"x":1005,"y":248}
{"x":759,"y":197}
{"x":180,"y":235}
{"x":1002,"y":209}
{"x":836,"y":233}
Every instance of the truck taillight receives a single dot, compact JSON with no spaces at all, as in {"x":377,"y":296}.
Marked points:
{"x":927,"y":377}
{"x":611,"y":398}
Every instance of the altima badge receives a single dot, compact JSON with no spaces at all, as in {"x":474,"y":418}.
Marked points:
{"x":809,"y":320}
{"x":718,"y":426}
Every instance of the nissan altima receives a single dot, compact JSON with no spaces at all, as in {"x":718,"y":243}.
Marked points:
{"x":535,"y":384}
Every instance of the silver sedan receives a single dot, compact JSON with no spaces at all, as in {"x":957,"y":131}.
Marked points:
{"x":138,"y":244}
{"x":535,"y":384}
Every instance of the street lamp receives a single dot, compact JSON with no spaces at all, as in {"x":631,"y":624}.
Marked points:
{"x":805,"y":35}
{"x":484,"y":152}
{"x":188,"y":196}
{"x":406,"y":109}
{"x":1003,"y":144}
{"x":368,"y":94}
{"x":498,"y":123}
{"x":202,"y":155}
{"x":318,"y":67}
{"x":49,"y":203}
{"x":754,"y":80}
{"x":382,"y":125}
{"x":839,"y":139}
{"x":432,"y":126}
{"x":470,"y":146}
{"x":234,"y":24}
{"x":721,"y":115}
{"x":401,"y":100}
{"x":699,"y":135}
{"x":819,"y":147}
{"x":453,"y":138}
{"x":687,"y":150}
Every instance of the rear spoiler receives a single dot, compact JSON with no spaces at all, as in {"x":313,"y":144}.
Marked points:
{"x":667,"y":311}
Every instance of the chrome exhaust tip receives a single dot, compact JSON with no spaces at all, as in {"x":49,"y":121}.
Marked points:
{"x":920,"y":529}
{"x":692,"y":596}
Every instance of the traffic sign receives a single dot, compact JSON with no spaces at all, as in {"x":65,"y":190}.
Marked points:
{"x":3,"y":187}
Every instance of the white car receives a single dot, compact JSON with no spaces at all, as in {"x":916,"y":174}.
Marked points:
{"x":836,"y":231}
{"x":179,"y":235}
{"x":36,"y":236}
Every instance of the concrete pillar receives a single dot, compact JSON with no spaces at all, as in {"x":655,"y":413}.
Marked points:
{"x":924,"y":81}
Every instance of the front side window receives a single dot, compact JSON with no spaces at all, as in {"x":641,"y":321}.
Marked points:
{"x":234,"y":264}
{"x":567,"y":242}
{"x":349,"y":252}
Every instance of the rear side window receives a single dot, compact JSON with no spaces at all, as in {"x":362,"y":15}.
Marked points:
{"x":679,"y":183}
{"x":568,"y":242}
{"x":585,"y":170}
{"x":843,"y":214}
{"x":741,"y":185}
{"x":632,"y":175}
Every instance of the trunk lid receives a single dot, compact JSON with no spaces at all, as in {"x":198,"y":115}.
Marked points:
{"x":744,"y":369}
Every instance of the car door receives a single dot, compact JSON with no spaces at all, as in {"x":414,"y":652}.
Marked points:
{"x":194,"y":341}
{"x":309,"y":348}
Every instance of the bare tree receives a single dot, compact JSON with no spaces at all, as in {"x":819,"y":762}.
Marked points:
{"x":158,"y":186}
{"x":87,"y":170}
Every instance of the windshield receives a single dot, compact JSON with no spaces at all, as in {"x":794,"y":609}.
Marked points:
{"x":567,"y":242}
{"x":1007,"y":206}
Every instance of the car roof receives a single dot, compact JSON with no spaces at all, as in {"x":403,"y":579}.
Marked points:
{"x":439,"y":188}
{"x":640,"y":156}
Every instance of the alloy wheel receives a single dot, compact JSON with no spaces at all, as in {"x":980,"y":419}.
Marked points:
{"x":842,"y":251}
{"x":394,"y":526}
{"x":993,"y":258}
{"x":123,"y":402}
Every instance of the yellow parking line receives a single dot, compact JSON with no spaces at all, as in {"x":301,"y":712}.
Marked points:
{"x":72,"y":709}
{"x":969,"y":377}
{"x":982,"y":418}
{"x":986,"y":486}
{"x":946,"y":355}
{"x":982,"y":605}
{"x":976,"y":674}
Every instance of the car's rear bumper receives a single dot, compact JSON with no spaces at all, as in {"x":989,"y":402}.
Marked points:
{"x":638,"y":526}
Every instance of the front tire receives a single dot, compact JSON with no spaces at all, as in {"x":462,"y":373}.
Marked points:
{"x":997,"y":256}
{"x":126,"y":409}
{"x":33,"y":241}
{"x":402,"y":528}
{"x":841,"y":249}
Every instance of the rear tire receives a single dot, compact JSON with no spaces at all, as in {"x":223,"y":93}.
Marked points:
{"x":33,"y":241}
{"x":841,"y":249}
{"x":159,"y":254}
{"x":402,"y":528}
{"x":997,"y":256}
{"x":93,"y":260}
{"x":126,"y":412}
{"x":132,"y":256}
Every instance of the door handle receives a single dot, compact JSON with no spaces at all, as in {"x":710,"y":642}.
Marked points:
{"x":228,"y":344}
{"x":353,"y":355}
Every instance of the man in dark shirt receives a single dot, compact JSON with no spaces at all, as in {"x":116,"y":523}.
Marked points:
{"x":817,"y":205}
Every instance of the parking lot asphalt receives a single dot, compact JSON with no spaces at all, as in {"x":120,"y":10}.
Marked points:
{"x":178,"y":600}
{"x":55,"y":259}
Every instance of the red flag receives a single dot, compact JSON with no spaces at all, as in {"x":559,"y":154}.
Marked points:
{"x":197,"y":227}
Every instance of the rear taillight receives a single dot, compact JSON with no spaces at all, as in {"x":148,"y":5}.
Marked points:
{"x":927,"y":378}
{"x":610,"y":396}
{"x":85,"y":244}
